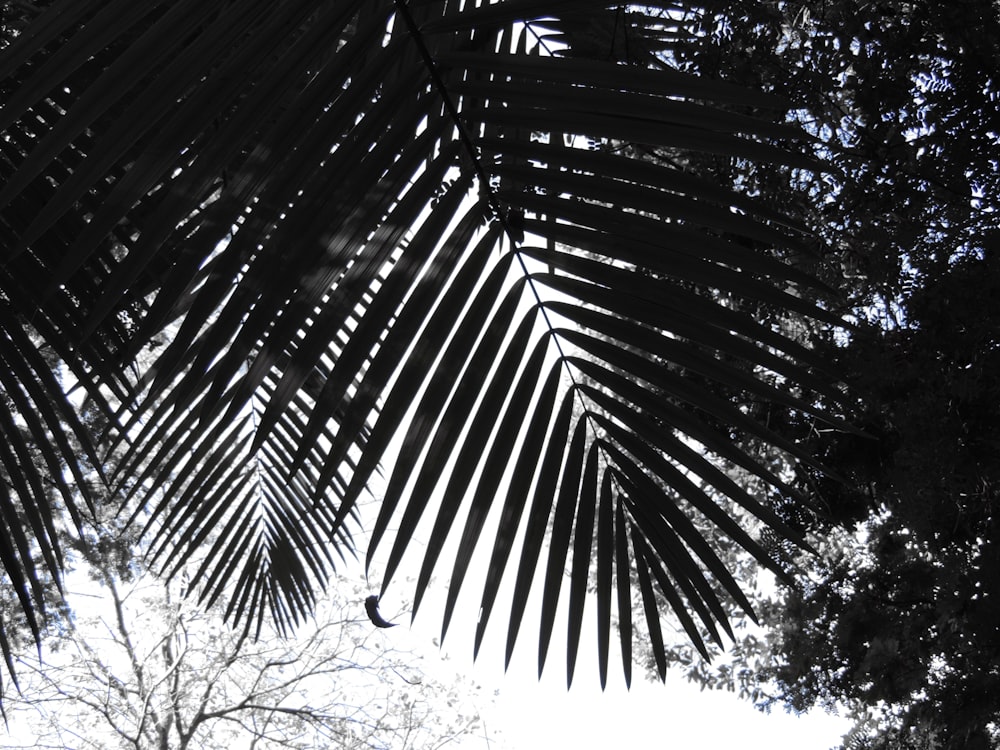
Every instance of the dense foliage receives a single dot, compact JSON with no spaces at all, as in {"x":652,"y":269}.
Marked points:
{"x":897,"y":618}
{"x":900,"y":618}
{"x":902,"y":97}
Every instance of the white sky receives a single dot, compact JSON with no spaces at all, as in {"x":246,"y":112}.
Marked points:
{"x":674,"y":714}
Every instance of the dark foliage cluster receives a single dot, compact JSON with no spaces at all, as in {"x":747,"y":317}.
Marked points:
{"x":908,"y":616}
{"x":902,"y":97}
{"x":898,"y":618}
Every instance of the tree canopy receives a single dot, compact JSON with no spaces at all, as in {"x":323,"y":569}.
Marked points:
{"x":896,"y":619}
{"x":129,"y":661}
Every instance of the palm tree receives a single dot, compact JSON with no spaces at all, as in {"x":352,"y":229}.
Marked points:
{"x":251,"y":249}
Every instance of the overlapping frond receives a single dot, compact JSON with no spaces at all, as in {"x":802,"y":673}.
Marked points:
{"x":276,"y":242}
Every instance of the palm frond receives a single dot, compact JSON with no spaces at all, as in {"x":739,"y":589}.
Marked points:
{"x":363,"y":229}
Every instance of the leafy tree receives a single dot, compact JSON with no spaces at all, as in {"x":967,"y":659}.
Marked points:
{"x":900,"y":96}
{"x":131,"y":662}
{"x":350,"y":231}
{"x":902,"y":623}
{"x":896,"y":617}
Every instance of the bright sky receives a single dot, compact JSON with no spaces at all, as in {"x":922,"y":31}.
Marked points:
{"x":650,"y":715}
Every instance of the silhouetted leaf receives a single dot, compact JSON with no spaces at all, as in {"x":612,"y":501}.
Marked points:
{"x":276,"y":245}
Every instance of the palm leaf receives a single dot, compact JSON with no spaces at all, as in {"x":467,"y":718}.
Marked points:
{"x":320,"y":210}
